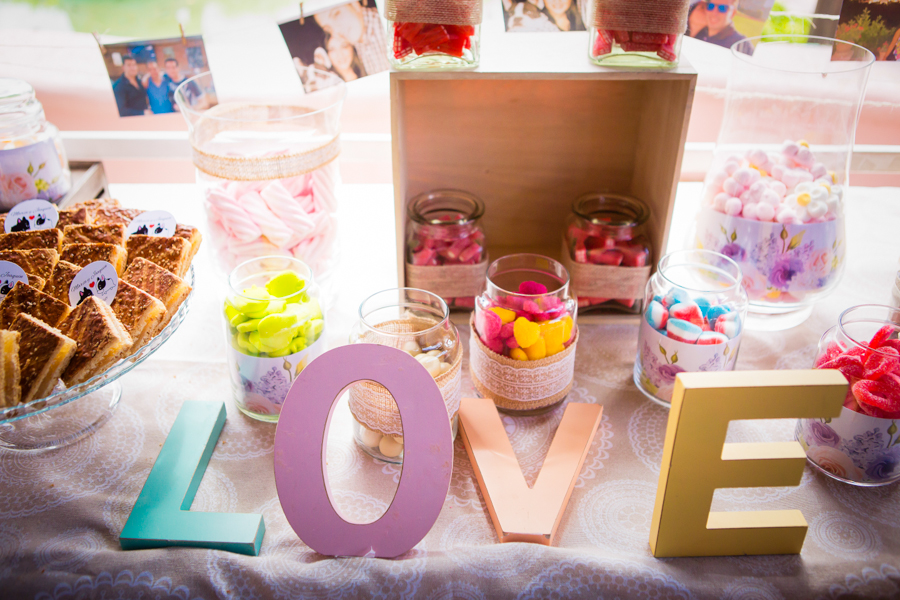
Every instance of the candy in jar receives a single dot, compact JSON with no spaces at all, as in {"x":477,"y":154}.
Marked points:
{"x":445,"y":248}
{"x":637,"y":34}
{"x":33,"y":164}
{"x":524,"y":320}
{"x":434,"y":33}
{"x":694,"y":314}
{"x":607,"y":253}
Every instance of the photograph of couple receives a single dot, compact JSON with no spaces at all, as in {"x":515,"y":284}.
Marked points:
{"x":545,"y":15}
{"x":347,"y":40}
{"x":145,"y":75}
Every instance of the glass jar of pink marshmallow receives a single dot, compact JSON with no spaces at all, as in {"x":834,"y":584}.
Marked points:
{"x":268,"y":171}
{"x":775,"y":195}
{"x":523,"y":335}
{"x":445,"y":246}
{"x":607,"y":252}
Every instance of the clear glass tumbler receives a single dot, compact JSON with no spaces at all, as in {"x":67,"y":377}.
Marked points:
{"x":774,"y":197}
{"x":862,"y":446}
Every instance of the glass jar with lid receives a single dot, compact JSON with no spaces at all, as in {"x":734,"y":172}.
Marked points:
{"x":607,"y":252}
{"x":445,"y":251}
{"x":33,"y":162}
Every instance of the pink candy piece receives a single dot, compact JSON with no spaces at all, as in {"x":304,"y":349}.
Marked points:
{"x":686,"y":311}
{"x":580,"y":253}
{"x":611,"y":258}
{"x":749,"y":211}
{"x":765,"y":212}
{"x":710,"y":338}
{"x":488,"y":324}
{"x":732,"y":187}
{"x":532,"y":288}
{"x":471,"y":254}
{"x":635,"y":255}
{"x":733,"y":207}
{"x":507,"y":330}
{"x":720,"y":201}
{"x":425,"y":256}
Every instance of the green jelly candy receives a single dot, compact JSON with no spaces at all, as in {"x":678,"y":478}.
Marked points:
{"x":285,"y":284}
{"x":276,"y":341}
{"x":237,"y":319}
{"x":298,"y":344}
{"x":316,"y":326}
{"x":252,"y":300}
{"x":253,"y":340}
{"x":276,"y":306}
{"x":244,"y":344}
{"x":283,"y":352}
{"x":248,"y":326}
{"x":273,"y":324}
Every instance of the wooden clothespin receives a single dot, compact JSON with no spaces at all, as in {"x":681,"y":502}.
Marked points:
{"x":181,"y":29}
{"x":302,"y":20}
{"x":99,"y":43}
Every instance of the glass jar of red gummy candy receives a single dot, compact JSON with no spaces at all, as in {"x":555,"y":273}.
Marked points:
{"x":607,"y":253}
{"x":434,"y":34}
{"x":694,"y":312}
{"x":268,"y":170}
{"x":775,"y":194}
{"x":417,"y":322}
{"x":522,"y":347}
{"x":862,"y":446}
{"x":445,"y":246}
{"x":648,"y":33}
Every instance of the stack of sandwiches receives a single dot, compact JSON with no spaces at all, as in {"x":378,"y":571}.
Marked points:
{"x":43,"y":339}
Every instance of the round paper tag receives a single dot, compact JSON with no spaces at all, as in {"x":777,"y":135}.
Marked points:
{"x":157,"y":223}
{"x":10,"y":273}
{"x":31,"y":215}
{"x":97,"y":279}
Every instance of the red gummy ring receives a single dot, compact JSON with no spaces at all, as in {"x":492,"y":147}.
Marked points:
{"x":879,"y":395}
{"x":880,"y":363}
{"x":850,"y":366}
{"x":881,"y":336}
{"x":831,"y":352}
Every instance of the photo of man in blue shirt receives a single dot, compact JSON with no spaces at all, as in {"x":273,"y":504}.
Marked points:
{"x":131,"y":97}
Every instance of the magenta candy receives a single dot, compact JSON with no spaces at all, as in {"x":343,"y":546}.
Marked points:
{"x":471,"y":253}
{"x":532,"y":288}
{"x":507,"y":330}
{"x":495,"y":345}
{"x":423,"y":257}
{"x":530,"y":306}
{"x":488,"y":325}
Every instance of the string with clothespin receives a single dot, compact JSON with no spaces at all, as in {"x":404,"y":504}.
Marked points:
{"x":302,"y":20}
{"x":181,"y":29}
{"x":99,"y":43}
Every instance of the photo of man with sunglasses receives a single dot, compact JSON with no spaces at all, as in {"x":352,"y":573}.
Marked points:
{"x":719,"y":28}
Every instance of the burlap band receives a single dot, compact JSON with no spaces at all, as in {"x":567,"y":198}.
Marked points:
{"x":438,"y":12}
{"x":520,"y":384}
{"x":230,"y":117}
{"x":448,"y":281}
{"x":604,"y":281}
{"x":651,"y":16}
{"x":373,"y":406}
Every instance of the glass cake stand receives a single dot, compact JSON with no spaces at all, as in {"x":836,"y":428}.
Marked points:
{"x":69,"y":414}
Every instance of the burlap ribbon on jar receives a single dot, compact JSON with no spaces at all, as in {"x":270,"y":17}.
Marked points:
{"x":605,"y":281}
{"x":520,"y":384}
{"x":437,"y":12}
{"x":448,"y":281}
{"x":373,"y":406}
{"x":236,"y":117}
{"x":651,"y":16}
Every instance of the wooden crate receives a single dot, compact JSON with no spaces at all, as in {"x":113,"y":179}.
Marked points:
{"x":530,"y":136}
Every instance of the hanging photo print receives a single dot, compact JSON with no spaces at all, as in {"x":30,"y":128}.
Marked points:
{"x":145,"y":74}
{"x":727,"y":22}
{"x":872,"y":25}
{"x":347,"y":39}
{"x":544,"y":15}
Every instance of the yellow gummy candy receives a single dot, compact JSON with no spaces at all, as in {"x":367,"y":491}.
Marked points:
{"x":804,"y":199}
{"x":526,"y":332}
{"x":518,"y":354}
{"x":506,"y":315}
{"x":537,"y":351}
{"x":551,"y":350}
{"x":552,"y":332}
{"x":567,"y":328}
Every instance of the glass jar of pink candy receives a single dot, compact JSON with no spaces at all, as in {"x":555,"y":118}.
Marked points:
{"x":637,"y":34}
{"x":862,"y":445}
{"x":526,"y":315}
{"x":445,"y":246}
{"x":607,"y":252}
{"x":695,"y":308}
{"x":417,"y":322}
{"x":774,"y":198}
{"x":268,"y":170}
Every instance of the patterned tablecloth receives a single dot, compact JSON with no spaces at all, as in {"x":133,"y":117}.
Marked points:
{"x":61,"y":511}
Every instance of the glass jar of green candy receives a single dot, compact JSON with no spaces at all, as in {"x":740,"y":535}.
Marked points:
{"x":274,"y":327}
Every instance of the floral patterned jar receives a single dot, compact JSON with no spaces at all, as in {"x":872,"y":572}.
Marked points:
{"x":607,"y":252}
{"x":434,"y":34}
{"x":273,"y":327}
{"x":862,"y":446}
{"x":33,"y":162}
{"x":694,"y":312}
{"x":522,"y":347}
{"x":417,"y":322}
{"x":445,"y":251}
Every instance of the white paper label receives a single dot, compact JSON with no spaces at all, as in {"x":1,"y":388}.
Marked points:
{"x":10,"y":273}
{"x":97,"y":279}
{"x":157,"y":223}
{"x":31,"y":215}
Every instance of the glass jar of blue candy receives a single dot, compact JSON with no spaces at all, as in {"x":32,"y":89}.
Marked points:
{"x":694,"y":311}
